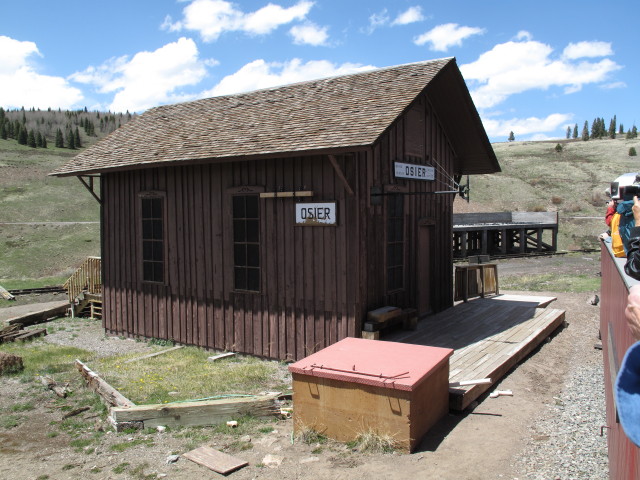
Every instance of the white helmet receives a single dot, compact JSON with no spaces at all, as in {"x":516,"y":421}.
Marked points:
{"x":617,"y":186}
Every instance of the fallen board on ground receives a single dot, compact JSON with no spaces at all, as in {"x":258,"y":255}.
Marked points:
{"x":215,"y":460}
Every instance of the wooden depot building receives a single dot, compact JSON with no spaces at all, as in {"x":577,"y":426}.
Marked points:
{"x":270,"y":222}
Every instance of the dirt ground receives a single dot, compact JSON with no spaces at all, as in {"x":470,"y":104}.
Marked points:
{"x":483,"y":443}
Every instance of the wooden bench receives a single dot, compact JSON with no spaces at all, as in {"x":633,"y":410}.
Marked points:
{"x":386,"y":317}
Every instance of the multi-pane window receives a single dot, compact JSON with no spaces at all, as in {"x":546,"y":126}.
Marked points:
{"x":395,"y":242}
{"x":152,"y":239}
{"x":246,"y":243}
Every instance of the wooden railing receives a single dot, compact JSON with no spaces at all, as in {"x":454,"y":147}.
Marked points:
{"x":88,"y":278}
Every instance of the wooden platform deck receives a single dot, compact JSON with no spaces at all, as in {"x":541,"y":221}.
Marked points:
{"x":489,"y":336}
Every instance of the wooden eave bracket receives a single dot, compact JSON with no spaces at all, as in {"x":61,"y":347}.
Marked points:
{"x":89,"y":185}
{"x":340,"y":174}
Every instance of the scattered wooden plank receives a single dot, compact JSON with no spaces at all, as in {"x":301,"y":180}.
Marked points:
{"x":215,"y":460}
{"x":30,"y":334}
{"x":52,"y":385}
{"x":209,"y":412}
{"x":154,"y":354}
{"x":499,"y":393}
{"x":109,"y":394}
{"x":5,"y":294}
{"x":40,"y":316}
{"x":463,"y":383}
{"x":75,"y":412}
{"x":222,"y":355}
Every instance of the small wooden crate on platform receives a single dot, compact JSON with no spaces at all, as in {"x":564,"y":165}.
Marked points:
{"x":358,"y":386}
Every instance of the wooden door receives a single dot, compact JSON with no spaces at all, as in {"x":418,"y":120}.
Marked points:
{"x":424,"y":269}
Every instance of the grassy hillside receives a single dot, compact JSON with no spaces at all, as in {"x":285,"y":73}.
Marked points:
{"x":534,"y":177}
{"x":45,"y":252}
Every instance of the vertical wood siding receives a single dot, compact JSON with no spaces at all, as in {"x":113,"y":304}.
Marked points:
{"x":316,"y":282}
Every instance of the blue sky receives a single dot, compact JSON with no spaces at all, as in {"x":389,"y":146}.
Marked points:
{"x":532,"y":67}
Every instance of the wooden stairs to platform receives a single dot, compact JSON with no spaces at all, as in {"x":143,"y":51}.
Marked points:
{"x":84,"y":289}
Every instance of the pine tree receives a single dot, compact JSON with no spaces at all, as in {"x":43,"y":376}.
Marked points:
{"x":39,"y":139}
{"x":59,"y":139}
{"x":76,"y":138}
{"x":31,"y":139}
{"x":568,"y":132}
{"x":71,"y":143}
{"x":3,"y":131}
{"x":23,"y":137}
{"x":512,"y":137}
{"x":585,"y":131}
{"x":621,"y":131}
{"x":612,"y":127}
{"x":44,"y":141}
{"x":575,"y":131}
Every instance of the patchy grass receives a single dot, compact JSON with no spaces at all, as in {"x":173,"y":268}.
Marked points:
{"x":188,"y":375}
{"x":371,"y":441}
{"x":40,"y":358}
{"x":551,"y":282}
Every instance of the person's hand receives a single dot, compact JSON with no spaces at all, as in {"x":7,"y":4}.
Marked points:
{"x":632,"y":312}
{"x":636,"y":211}
{"x":611,"y":204}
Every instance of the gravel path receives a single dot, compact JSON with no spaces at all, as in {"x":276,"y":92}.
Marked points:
{"x":567,"y":442}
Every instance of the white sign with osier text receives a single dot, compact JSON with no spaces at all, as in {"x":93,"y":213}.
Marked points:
{"x":415,"y":172}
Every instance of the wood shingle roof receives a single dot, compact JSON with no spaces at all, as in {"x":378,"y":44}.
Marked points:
{"x":322,"y":115}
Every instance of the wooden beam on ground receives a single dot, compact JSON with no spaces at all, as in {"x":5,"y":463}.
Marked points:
{"x":52,"y":385}
{"x":154,"y":354}
{"x":5,"y":294}
{"x":109,"y":394}
{"x":208,"y":412}
{"x":220,"y":356}
{"x":30,"y":334}
{"x":215,"y":460}
{"x":40,"y":316}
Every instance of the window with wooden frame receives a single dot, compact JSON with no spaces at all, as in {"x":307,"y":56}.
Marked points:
{"x":153,"y":242}
{"x":395,"y":242}
{"x":246,"y":242}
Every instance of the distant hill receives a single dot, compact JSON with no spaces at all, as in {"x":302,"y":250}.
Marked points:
{"x":534,"y":177}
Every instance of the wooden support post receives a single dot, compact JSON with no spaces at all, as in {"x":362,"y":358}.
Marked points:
{"x":483,"y":246}
{"x":463,"y":244}
{"x":340,"y":174}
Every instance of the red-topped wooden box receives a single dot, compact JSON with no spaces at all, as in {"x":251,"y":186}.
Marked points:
{"x":358,"y":386}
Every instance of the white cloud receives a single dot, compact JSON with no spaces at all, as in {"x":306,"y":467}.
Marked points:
{"x":309,"y":34}
{"x":525,"y":126}
{"x":148,"y":78}
{"x":411,"y":15}
{"x":22,"y":85}
{"x":260,"y":74}
{"x":447,"y":35}
{"x":614,"y":85}
{"x":378,"y":20}
{"x":515,"y":67}
{"x":211,"y":18}
{"x":587,"y":50}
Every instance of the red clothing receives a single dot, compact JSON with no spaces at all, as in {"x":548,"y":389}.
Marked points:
{"x":608,"y":215}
